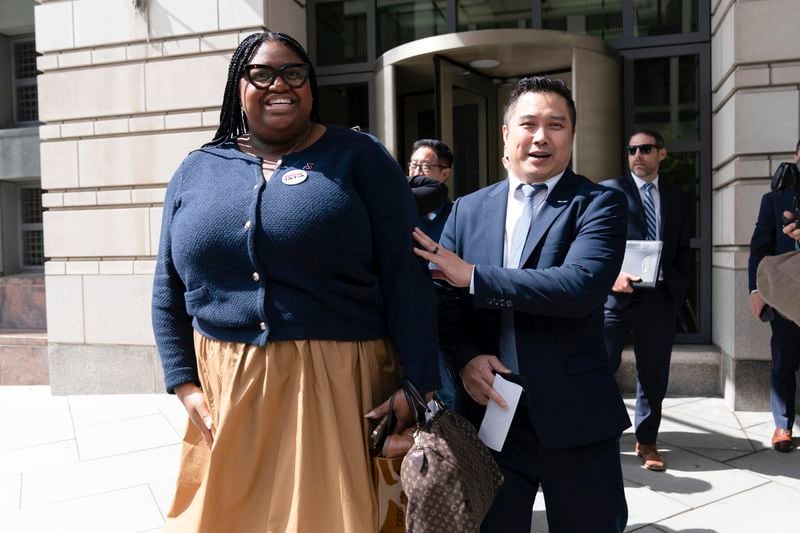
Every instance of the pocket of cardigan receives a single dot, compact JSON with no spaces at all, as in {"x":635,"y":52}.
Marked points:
{"x":196,"y":299}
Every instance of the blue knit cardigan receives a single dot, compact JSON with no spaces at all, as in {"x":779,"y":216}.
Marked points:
{"x":321,"y":251}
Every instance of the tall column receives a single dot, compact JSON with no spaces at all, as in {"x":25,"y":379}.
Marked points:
{"x":756,"y":108}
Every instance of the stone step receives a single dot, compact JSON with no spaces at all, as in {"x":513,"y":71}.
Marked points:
{"x":23,"y":357}
{"x":22,"y":301}
{"x":23,"y":337}
{"x":694,"y":371}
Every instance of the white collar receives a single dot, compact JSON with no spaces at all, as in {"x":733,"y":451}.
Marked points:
{"x":640,"y":182}
{"x":514,"y":182}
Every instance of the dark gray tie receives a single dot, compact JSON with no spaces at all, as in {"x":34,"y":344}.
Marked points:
{"x":508,"y":343}
{"x":650,"y":212}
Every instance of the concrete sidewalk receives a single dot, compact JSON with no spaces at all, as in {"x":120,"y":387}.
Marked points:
{"x":107,"y":464}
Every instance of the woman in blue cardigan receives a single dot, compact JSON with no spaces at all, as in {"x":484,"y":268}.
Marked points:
{"x":286,"y":303}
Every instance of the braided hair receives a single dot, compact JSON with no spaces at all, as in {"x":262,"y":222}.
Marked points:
{"x":232,"y":122}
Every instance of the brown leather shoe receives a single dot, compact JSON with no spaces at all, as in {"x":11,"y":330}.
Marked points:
{"x":782,"y":440}
{"x":651,"y":459}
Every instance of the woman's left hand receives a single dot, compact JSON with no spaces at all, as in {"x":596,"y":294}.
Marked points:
{"x":452,"y":268}
{"x":402,"y":411}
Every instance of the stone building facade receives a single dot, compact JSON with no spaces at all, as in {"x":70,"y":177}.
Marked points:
{"x":124,"y":95}
{"x":124,"y":92}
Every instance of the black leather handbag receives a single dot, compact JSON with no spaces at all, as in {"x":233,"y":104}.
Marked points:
{"x":449,"y":476}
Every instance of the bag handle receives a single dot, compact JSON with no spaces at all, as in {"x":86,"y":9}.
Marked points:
{"x":416,"y":402}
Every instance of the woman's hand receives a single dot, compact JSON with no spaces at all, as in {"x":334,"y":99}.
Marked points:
{"x":402,"y":411}
{"x":194,"y":401}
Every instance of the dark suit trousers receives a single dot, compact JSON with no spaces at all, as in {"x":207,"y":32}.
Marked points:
{"x":651,"y":318}
{"x":583,"y":487}
{"x":785,"y":344}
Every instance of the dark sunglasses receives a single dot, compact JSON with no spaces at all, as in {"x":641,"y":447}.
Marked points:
{"x":643,"y":148}
{"x":263,"y":76}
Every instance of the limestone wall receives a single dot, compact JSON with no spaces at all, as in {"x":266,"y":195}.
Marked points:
{"x":756,"y":123}
{"x":124,"y":97}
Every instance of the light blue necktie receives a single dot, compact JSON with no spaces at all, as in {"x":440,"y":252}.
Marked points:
{"x":508,"y":342}
{"x":650,"y":212}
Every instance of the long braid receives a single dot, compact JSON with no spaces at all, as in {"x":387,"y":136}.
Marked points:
{"x":231,"y":118}
{"x":232,"y":122}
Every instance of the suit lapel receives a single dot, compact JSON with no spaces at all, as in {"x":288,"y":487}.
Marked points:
{"x":555,"y":203}
{"x":494,"y":228}
{"x":635,"y":206}
{"x":666,"y":204}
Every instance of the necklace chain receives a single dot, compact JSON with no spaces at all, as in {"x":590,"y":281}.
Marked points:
{"x":303,"y":138}
{"x":272,"y":165}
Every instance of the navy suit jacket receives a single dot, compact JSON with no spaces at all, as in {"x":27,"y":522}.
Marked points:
{"x":768,"y":237}
{"x":675,"y":230}
{"x":571,"y":258}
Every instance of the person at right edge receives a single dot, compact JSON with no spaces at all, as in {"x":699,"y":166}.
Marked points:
{"x":656,"y":211}
{"x":771,"y":238}
{"x":527,"y":263}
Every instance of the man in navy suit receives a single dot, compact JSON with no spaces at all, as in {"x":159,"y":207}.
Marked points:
{"x":527,"y":270}
{"x":656,"y":211}
{"x":769,"y":238}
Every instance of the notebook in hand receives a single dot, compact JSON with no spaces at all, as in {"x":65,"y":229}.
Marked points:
{"x":642,"y":259}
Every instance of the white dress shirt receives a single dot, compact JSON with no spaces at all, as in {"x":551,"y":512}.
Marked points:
{"x":514,"y":206}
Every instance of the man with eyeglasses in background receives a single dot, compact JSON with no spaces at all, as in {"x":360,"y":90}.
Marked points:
{"x":431,"y":159}
{"x":656,"y":211}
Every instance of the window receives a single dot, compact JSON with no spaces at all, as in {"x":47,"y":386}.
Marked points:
{"x":26,"y":109}
{"x":345,"y":105}
{"x":31,"y":236}
{"x":400,"y":21}
{"x":486,"y":15}
{"x":662,"y":17}
{"x":341,"y":32}
{"x":666,"y":96}
{"x":599,"y":18}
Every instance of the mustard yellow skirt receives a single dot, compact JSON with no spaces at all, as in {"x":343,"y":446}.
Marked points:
{"x":290,"y":440}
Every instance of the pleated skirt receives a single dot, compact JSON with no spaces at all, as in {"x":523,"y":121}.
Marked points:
{"x":290,"y":438}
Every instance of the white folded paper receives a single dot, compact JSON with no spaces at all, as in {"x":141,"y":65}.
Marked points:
{"x":496,"y":420}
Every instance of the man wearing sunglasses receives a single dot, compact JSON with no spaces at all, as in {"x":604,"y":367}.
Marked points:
{"x":656,"y":211}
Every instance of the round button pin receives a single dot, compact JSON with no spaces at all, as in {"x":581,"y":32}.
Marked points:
{"x":294,"y":177}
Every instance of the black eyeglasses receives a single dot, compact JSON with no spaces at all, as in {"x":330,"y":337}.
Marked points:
{"x":263,"y":76}
{"x":413,"y":165}
{"x":643,"y":148}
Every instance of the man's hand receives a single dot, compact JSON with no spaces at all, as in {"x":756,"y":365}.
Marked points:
{"x":791,"y":229}
{"x":478,"y":377}
{"x":757,"y":304}
{"x":194,"y":401}
{"x":452,"y":268}
{"x":623,"y":283}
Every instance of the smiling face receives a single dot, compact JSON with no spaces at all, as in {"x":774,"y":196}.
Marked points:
{"x":278,"y":113}
{"x":645,"y":166}
{"x":538,"y":135}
